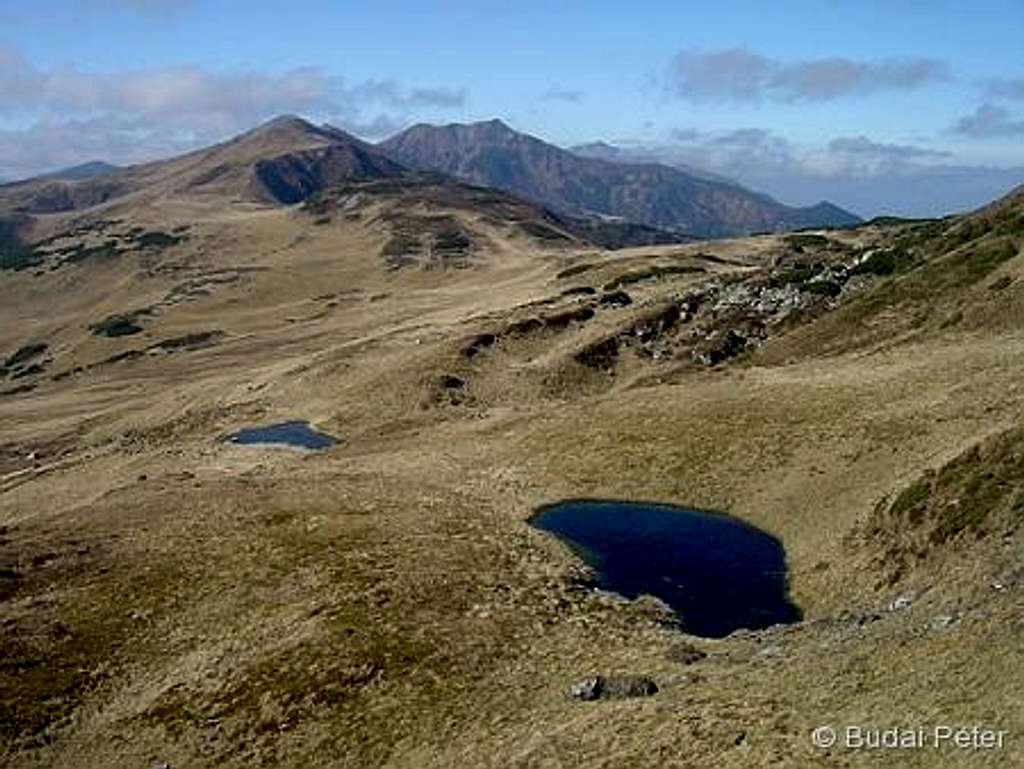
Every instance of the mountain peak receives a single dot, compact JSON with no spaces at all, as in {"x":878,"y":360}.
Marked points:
{"x":285,"y":127}
{"x":494,"y":123}
{"x":492,"y":129}
{"x":284,"y":134}
{"x":492,"y":154}
{"x":287,"y":121}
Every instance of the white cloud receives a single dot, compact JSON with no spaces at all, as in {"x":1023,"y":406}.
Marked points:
{"x":989,"y":121}
{"x":741,"y":75}
{"x":72,"y":115}
{"x":863,"y":175}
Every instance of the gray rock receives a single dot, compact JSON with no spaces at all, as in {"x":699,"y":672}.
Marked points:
{"x":586,"y":689}
{"x":602,"y":687}
{"x":616,"y":299}
{"x":901,"y":603}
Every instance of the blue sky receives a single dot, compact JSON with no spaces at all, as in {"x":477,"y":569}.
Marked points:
{"x":872,"y":102}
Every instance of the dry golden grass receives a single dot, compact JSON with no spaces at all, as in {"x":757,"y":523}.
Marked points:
{"x":383,"y":602}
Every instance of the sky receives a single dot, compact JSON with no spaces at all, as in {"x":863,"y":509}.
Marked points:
{"x":907,"y":107}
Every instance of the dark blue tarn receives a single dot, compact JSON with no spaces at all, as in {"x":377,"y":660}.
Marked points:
{"x":289,"y":433}
{"x":718,"y":573}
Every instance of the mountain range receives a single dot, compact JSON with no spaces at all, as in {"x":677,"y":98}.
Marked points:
{"x":492,"y":154}
{"x":287,"y":160}
{"x":283,"y":162}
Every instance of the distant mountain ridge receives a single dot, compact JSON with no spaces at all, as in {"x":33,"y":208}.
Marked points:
{"x":605,"y":151}
{"x":287,"y":160}
{"x":492,"y":154}
{"x":83,"y":171}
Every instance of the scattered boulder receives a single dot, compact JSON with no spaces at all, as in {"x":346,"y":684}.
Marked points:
{"x":655,"y":323}
{"x":612,"y":687}
{"x":586,"y":689}
{"x":718,"y":347}
{"x":901,"y":603}
{"x":779,"y":302}
{"x":616,"y":299}
{"x":479,"y":343}
{"x":452,"y":382}
{"x":446,"y":389}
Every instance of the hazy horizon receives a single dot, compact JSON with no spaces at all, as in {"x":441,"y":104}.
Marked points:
{"x":919,"y":115}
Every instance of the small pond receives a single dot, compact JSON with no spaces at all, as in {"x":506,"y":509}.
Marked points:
{"x":293,"y":433}
{"x":718,"y":573}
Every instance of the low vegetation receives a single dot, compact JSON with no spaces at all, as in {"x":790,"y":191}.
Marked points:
{"x":978,"y":494}
{"x":651,"y":273}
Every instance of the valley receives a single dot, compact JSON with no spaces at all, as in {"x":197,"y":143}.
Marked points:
{"x":170,"y":596}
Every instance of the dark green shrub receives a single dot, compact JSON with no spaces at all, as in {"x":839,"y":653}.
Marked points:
{"x":885,"y":262}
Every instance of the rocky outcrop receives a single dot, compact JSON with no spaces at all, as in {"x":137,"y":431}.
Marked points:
{"x":612,"y":687}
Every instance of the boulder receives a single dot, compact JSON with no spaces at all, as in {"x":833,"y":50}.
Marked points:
{"x":612,"y":687}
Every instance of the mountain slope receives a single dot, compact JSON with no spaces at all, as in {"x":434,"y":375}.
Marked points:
{"x":492,"y":154}
{"x":282,"y":161}
{"x":605,"y":151}
{"x":930,"y":277}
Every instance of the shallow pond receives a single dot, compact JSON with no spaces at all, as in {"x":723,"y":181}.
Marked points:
{"x":718,"y":573}
{"x":293,"y":433}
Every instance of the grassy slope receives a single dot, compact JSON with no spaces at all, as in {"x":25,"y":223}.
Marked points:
{"x":384,"y":604}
